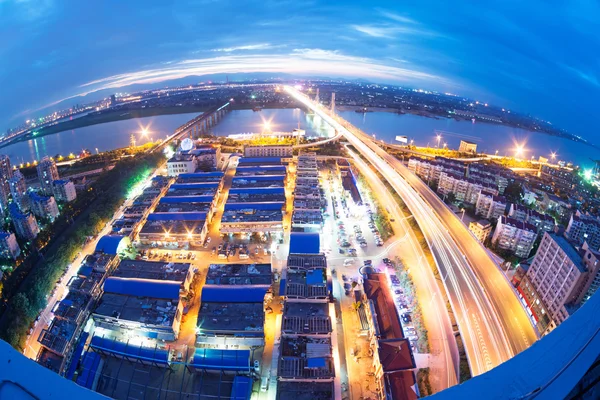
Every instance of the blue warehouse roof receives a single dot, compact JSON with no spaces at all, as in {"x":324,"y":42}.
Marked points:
{"x":149,"y":354}
{"x":260,"y":160}
{"x":201,"y":174}
{"x":242,"y":388}
{"x":227,"y":360}
{"x":258,"y":178}
{"x":199,"y":185}
{"x":268,"y":190}
{"x":234,"y":294}
{"x":177,"y":216}
{"x":252,"y":168}
{"x":142,"y":287}
{"x":109,"y":244}
{"x":272,"y":205}
{"x":304,"y":243}
{"x":187,"y":199}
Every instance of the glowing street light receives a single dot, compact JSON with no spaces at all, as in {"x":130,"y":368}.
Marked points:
{"x":496,"y":152}
{"x":553,"y":156}
{"x":519,"y":151}
{"x":439,"y":137}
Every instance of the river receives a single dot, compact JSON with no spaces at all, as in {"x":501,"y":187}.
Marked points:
{"x":489,"y":137}
{"x":383,"y":125}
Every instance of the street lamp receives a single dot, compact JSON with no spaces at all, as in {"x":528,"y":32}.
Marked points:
{"x":439,"y":137}
{"x":496,"y":152}
{"x":519,"y":151}
{"x":462,"y":210}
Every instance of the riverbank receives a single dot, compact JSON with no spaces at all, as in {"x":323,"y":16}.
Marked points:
{"x":102,"y":118}
{"x":454,"y":117}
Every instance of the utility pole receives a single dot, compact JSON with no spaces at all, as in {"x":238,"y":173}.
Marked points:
{"x":332,"y":102}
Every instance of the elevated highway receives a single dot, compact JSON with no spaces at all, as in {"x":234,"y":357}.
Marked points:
{"x":493,"y":324}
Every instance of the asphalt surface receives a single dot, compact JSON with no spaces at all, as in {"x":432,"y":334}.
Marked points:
{"x":492,"y":322}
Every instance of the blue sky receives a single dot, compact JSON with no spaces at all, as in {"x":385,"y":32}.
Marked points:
{"x":536,"y":57}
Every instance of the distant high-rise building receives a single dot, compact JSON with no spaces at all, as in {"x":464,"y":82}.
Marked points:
{"x":18,"y":190}
{"x":6,"y":173}
{"x":9,"y":248}
{"x":317,"y":96}
{"x":64,"y":190}
{"x":47,"y":174}
{"x":25,"y":224}
{"x":113,"y":100}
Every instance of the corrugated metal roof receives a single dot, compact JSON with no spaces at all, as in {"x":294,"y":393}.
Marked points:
{"x":234,"y":294}
{"x":186,"y":199}
{"x":199,"y":185}
{"x":242,"y":388}
{"x":177,"y":216}
{"x":304,"y":243}
{"x":266,"y":190}
{"x":150,"y":354}
{"x":227,"y":360}
{"x":261,"y":168}
{"x":109,"y":244}
{"x":263,"y":160}
{"x":201,"y":174}
{"x":142,"y":287}
{"x":258,"y":178}
{"x":271,"y":205}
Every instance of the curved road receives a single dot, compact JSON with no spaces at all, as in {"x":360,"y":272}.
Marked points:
{"x":492,"y":322}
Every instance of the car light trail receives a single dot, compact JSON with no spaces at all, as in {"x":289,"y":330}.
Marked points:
{"x":493,"y":325}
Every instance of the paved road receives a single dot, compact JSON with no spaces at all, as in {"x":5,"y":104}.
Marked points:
{"x":445,"y":362}
{"x":492,"y":322}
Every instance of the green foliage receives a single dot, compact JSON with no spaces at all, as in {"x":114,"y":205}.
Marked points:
{"x":408,"y":288}
{"x":514,"y":192}
{"x":92,"y":210}
{"x":423,"y":382}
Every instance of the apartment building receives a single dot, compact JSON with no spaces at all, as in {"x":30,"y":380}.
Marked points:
{"x":584,"y":228}
{"x":515,"y":236}
{"x":481,"y":229}
{"x":559,"y":279}
{"x":490,"y":206}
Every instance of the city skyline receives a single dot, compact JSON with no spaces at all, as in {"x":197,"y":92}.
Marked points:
{"x":498,"y":56}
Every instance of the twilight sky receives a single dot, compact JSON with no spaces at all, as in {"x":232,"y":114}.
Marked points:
{"x":541,"y":57}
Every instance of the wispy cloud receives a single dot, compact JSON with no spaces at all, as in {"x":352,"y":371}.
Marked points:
{"x":391,"y":31}
{"x":397,"y":17}
{"x":260,"y":46}
{"x":586,"y":76}
{"x":304,"y":62}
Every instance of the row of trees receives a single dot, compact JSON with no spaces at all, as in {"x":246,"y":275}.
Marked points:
{"x":409,"y":292}
{"x":85,"y":218}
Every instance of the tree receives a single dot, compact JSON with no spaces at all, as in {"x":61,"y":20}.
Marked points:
{"x":514,"y":192}
{"x":450,"y":198}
